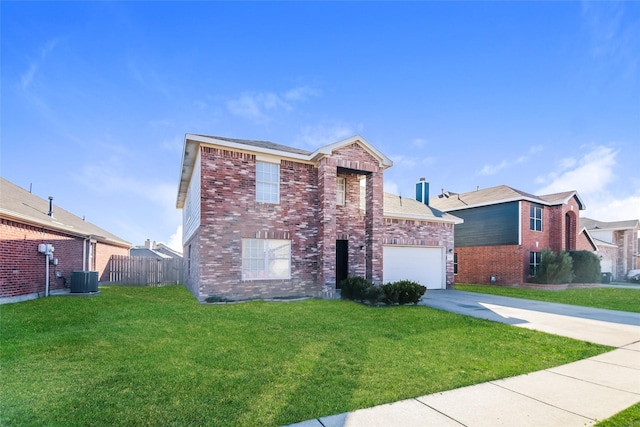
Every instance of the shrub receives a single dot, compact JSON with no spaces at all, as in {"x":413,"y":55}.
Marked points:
{"x":403,"y":292}
{"x":217,"y":298}
{"x":586,"y":267}
{"x":374,"y":294}
{"x":354,"y":288}
{"x":555,"y":267}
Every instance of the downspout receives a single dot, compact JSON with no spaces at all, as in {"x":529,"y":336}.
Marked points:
{"x":46,"y":260}
{"x":84,"y":254}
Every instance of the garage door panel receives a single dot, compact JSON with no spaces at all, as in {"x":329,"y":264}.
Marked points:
{"x":424,"y":265}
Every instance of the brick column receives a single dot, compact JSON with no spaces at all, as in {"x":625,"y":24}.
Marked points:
{"x":327,"y":174}
{"x":374,"y":226}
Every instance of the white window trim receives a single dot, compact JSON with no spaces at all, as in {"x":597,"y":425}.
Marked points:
{"x":260,"y":195}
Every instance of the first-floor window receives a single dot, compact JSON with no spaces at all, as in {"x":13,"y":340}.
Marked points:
{"x":266,"y":259}
{"x":455,"y":263}
{"x":534,"y":263}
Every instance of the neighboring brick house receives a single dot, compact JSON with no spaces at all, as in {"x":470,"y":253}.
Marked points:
{"x":26,"y":221}
{"x":505,"y":230}
{"x":616,"y":243}
{"x":265,"y":220}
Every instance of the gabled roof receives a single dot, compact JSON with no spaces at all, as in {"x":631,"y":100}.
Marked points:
{"x":595,"y":225}
{"x":589,"y":238}
{"x":193,"y":141}
{"x":253,"y":143}
{"x":149,"y":253}
{"x":404,"y":208}
{"x":19,"y":205}
{"x":448,"y":201}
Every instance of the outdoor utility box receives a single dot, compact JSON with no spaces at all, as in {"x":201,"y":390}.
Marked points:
{"x":84,"y":282}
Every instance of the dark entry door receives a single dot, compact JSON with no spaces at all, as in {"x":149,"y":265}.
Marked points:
{"x":342,"y":261}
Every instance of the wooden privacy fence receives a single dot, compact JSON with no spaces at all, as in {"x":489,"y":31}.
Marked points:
{"x":133,"y":270}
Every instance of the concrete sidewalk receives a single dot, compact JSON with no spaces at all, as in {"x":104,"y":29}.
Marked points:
{"x":576,"y":394}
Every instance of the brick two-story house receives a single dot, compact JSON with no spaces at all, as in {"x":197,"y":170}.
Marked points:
{"x":266,"y":220}
{"x":26,"y":221}
{"x":615,"y":243}
{"x":505,"y":230}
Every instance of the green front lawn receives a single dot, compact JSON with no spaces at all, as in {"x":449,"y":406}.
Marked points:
{"x":609,"y":298}
{"x":155,"y":356}
{"x":630,"y":417}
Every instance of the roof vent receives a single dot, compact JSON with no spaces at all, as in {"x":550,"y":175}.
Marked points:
{"x":50,"y":206}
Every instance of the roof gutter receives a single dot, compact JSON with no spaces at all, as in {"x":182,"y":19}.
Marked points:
{"x":27,"y":220}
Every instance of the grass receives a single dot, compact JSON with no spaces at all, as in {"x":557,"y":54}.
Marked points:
{"x":609,"y":298}
{"x":155,"y":356}
{"x":630,"y":417}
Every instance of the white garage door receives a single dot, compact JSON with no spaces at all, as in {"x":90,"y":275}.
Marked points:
{"x":423,"y":265}
{"x":606,"y":265}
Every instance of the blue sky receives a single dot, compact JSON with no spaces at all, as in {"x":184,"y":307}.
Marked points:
{"x":541,"y":96}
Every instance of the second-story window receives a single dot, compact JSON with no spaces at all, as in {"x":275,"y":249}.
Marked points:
{"x":267,"y":182}
{"x":341,"y":190}
{"x":535,"y":220}
{"x":363,"y":195}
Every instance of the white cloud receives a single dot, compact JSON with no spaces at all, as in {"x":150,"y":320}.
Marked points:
{"x":175,"y":240}
{"x":259,"y":107}
{"x":391,"y":187}
{"x":325,"y":133}
{"x":488,"y":169}
{"x":26,"y":78}
{"x":419,"y":142}
{"x":404,"y":161}
{"x":588,"y":175}
{"x":593,"y":177}
{"x":301,"y":93}
{"x":494,"y":169}
{"x":605,"y":207}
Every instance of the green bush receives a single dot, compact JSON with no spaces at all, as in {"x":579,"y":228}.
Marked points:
{"x":555,"y":267}
{"x":586,"y":267}
{"x":400,"y":292}
{"x":354,"y":288}
{"x":403,"y":292}
{"x":374,"y":295}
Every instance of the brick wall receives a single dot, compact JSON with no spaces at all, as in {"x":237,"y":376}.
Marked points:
{"x":350,"y":224}
{"x":307,"y":215}
{"x":408,"y":232}
{"x":229,"y":213}
{"x":505,"y":263}
{"x":23,"y":268}
{"x":510,"y":264}
{"x":627,"y":243}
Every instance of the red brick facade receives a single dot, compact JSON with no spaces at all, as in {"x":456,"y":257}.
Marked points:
{"x":307,"y":215}
{"x":23,"y":268}
{"x":408,"y":232}
{"x":510,"y":264}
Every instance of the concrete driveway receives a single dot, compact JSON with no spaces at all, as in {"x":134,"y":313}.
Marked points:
{"x":608,"y":327}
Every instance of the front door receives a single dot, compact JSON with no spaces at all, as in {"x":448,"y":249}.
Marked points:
{"x":342,"y":261}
